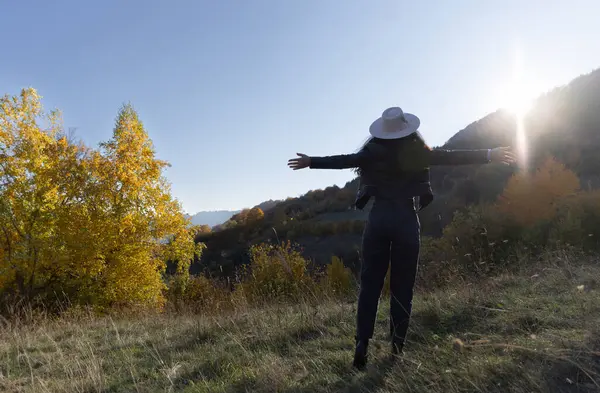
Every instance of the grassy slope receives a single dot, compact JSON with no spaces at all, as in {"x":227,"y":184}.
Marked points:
{"x":542,"y":331}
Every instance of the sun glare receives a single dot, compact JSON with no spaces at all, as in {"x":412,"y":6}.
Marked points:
{"x":520,"y":96}
{"x":519,"y":102}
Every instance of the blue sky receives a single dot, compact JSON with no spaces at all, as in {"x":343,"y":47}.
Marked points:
{"x":229,"y":90}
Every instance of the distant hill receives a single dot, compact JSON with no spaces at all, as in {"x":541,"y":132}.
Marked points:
{"x":564,"y":123}
{"x":218,"y":217}
{"x":213,"y":218}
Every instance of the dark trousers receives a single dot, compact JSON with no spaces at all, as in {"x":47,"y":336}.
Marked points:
{"x":391,"y":238}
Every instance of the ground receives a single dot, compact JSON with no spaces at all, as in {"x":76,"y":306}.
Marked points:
{"x":537,"y":331}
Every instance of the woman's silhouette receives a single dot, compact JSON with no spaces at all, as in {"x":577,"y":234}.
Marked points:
{"x":393,"y":166}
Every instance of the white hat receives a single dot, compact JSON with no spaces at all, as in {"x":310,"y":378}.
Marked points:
{"x":394,"y":124}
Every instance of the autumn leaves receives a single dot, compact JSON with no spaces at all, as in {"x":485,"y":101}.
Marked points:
{"x":96,"y":225}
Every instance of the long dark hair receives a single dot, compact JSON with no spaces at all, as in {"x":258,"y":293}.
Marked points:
{"x":369,"y":140}
{"x":414,"y":137}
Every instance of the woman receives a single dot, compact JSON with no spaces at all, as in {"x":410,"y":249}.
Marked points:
{"x":394,"y":170}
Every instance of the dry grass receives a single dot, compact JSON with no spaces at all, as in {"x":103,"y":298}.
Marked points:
{"x":536,"y":332}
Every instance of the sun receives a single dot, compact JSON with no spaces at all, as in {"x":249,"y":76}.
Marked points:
{"x":519,"y":99}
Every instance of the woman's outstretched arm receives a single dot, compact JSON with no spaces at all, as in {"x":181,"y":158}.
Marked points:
{"x":342,"y":161}
{"x":502,"y":155}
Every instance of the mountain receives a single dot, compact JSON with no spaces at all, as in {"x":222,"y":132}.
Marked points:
{"x":218,"y":217}
{"x":563,"y":123}
{"x":267,"y":205}
{"x":212,"y":218}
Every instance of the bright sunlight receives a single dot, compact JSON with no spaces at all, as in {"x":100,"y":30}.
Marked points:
{"x":519,"y":102}
{"x":520,"y":95}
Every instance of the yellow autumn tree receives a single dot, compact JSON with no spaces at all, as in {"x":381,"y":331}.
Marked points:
{"x":39,"y":172}
{"x":94,"y":225}
{"x":528,"y":199}
{"x":147,"y":226}
{"x":255,"y":215}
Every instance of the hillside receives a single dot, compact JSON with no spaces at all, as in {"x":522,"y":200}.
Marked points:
{"x":563,"y":123}
{"x":536,"y":331}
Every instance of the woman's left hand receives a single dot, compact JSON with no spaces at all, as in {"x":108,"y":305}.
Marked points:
{"x":503,"y":155}
{"x":299,"y":163}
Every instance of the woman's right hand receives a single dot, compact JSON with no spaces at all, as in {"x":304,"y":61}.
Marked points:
{"x":503,"y":155}
{"x":299,"y":163}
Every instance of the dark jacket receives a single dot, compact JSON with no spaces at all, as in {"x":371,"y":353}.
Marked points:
{"x":397,"y":169}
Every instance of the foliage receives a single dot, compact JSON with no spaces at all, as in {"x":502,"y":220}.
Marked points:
{"x":276,"y":272}
{"x":96,"y":225}
{"x":247,"y":217}
{"x":202,"y":229}
{"x":530,"y":199}
{"x":535,"y":213}
{"x":338,"y":279}
{"x":205,"y":295}
{"x":255,"y":215}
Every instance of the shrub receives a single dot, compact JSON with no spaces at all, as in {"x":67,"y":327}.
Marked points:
{"x":338,"y":279}
{"x":538,"y":212}
{"x":276,"y":272}
{"x":575,"y":223}
{"x":204,"y":294}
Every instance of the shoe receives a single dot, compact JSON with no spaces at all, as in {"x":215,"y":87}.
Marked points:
{"x":397,"y":347}
{"x":360,"y":354}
